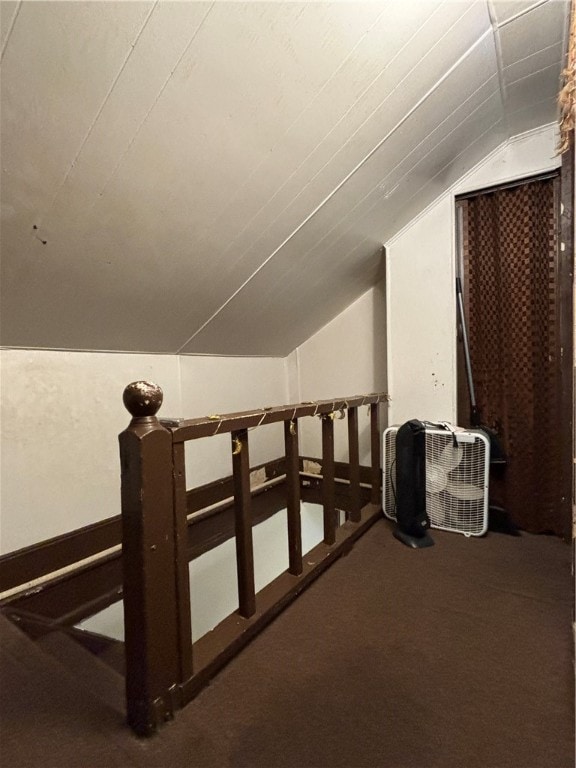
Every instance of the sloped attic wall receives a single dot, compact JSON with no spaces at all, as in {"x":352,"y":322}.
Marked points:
{"x":346,"y":357}
{"x":421,"y":283}
{"x":218,"y":178}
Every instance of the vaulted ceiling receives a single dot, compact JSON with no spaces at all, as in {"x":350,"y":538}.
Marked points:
{"x":219,"y":177}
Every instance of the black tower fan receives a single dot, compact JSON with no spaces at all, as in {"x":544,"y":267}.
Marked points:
{"x":412,"y":520}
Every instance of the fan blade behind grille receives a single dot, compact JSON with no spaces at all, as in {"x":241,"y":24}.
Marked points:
{"x":451,"y":456}
{"x":465,"y":491}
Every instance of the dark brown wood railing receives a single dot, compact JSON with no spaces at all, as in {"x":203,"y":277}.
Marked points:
{"x":164,"y":670}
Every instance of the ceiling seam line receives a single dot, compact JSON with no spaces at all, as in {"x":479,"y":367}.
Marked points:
{"x":306,"y":108}
{"x":450,"y":189}
{"x":379,"y":106}
{"x":412,"y":168}
{"x":521,"y":13}
{"x":319,"y":143}
{"x":99,"y":112}
{"x":406,"y":157}
{"x":341,"y":184}
{"x":373,"y":205}
{"x":499,"y":67}
{"x":9,"y":33}
{"x":462,"y":179}
{"x":160,"y":92}
{"x":531,"y":55}
{"x":556,"y":65}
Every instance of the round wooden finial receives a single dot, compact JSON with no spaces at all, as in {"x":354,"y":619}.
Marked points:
{"x":142,"y":398}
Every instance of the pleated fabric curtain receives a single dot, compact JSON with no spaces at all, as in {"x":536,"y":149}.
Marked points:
{"x":510,"y":242}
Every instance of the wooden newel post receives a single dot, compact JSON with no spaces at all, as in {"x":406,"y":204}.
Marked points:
{"x":148,"y":559}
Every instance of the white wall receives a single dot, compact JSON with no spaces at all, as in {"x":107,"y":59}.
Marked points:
{"x":346,"y":357}
{"x":213,"y":577}
{"x":421,"y":285}
{"x":61,"y":416}
{"x":62,"y":412}
{"x":217,"y":385}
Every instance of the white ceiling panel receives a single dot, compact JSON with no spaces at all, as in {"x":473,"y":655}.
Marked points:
{"x":47,"y":110}
{"x":532,"y":32}
{"x":8,"y":13}
{"x":317,"y":133}
{"x":403,"y":81}
{"x":532,"y":116}
{"x":455,"y":99}
{"x":550,"y":56}
{"x":505,"y":10}
{"x":278,"y":284}
{"x":429,"y":180}
{"x":383,"y":174}
{"x":219,"y":177}
{"x":51,"y":55}
{"x":363,"y":210}
{"x":169,"y":31}
{"x":429,"y":173}
{"x":387,"y":166}
{"x":532,"y":89}
{"x":393,"y":101}
{"x":287,"y":206}
{"x":216,"y":147}
{"x":294,"y":311}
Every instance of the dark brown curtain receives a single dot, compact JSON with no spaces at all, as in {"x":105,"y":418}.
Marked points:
{"x":510,"y":268}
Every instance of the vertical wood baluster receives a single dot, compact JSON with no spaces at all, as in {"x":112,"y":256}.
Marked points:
{"x":354,"y":460}
{"x":375,"y":437}
{"x":293,"y":497}
{"x":328,"y":484}
{"x":243,"y":523}
{"x":182,"y":562}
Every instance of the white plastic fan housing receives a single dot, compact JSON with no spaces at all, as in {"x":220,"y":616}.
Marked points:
{"x":457,"y":475}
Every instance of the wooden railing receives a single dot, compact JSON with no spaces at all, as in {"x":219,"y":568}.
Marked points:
{"x":164,"y":670}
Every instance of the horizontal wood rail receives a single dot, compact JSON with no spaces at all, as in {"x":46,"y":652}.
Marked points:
{"x":208,"y":426}
{"x":163,"y":668}
{"x":70,"y":577}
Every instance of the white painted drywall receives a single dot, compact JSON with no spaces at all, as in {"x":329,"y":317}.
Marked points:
{"x":346,"y":357}
{"x":62,"y":413}
{"x":217,"y":385}
{"x":61,"y":416}
{"x":421,"y":285}
{"x":213,"y":578}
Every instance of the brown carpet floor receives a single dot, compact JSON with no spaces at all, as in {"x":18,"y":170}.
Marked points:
{"x":458,"y":656}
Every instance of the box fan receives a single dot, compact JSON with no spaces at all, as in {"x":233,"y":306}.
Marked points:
{"x":456,"y":478}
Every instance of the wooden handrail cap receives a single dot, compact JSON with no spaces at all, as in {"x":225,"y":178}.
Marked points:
{"x":142,"y":398}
